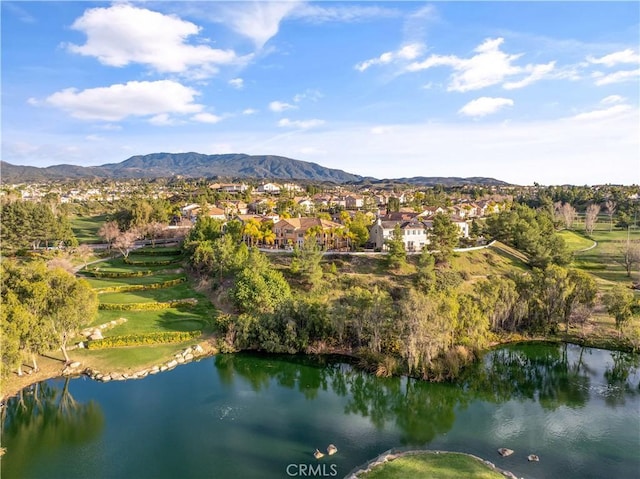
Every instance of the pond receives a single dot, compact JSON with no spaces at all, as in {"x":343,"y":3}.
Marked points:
{"x":253,"y":416}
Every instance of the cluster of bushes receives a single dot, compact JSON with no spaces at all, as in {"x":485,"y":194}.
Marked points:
{"x":119,"y":274}
{"x":143,"y":339}
{"x":151,"y":263}
{"x":155,"y":306}
{"x":125,"y":288}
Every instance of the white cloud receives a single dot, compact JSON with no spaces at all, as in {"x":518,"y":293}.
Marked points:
{"x":206,"y":118}
{"x":322,"y":13}
{"x":280,"y":106}
{"x":381,"y":130}
{"x":624,"y":56}
{"x":256,"y":20}
{"x":237,"y":83}
{"x":536,"y":72}
{"x":302,"y":124}
{"x":94,"y":138}
{"x":33,"y":101}
{"x":612,"y":99}
{"x":490,"y":66}
{"x":124,"y":34}
{"x":616,"y":77}
{"x":603,"y":114}
{"x":484,"y":106}
{"x":249,"y":111}
{"x":407,"y":52}
{"x":311,"y":95}
{"x":134,"y":98}
{"x":163,"y":119}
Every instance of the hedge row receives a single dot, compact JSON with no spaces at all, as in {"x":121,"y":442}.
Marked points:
{"x":156,"y":306}
{"x":141,"y":287}
{"x":120,"y":274}
{"x":160,"y":251}
{"x":141,"y":339}
{"x":151,"y":263}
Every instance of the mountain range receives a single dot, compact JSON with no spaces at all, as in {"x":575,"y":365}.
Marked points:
{"x":197,"y":165}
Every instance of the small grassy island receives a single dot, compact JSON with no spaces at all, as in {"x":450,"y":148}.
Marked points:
{"x":430,"y":465}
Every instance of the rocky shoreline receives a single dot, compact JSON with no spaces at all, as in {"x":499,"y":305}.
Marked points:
{"x":185,"y":356}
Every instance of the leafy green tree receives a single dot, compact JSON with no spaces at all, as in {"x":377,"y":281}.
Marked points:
{"x":204,"y":229}
{"x":473,"y":324}
{"x":396,"y":254}
{"x":426,"y":329}
{"x":233,"y":228}
{"x":71,"y":304}
{"x":259,"y":288}
{"x":426,"y":272}
{"x":306,"y":262}
{"x":498,"y":298}
{"x":24,"y":307}
{"x":359,"y":228}
{"x":620,"y":304}
{"x":31,"y":225}
{"x":443,"y":237}
{"x":393,"y":205}
{"x":582,"y":298}
{"x":532,"y":232}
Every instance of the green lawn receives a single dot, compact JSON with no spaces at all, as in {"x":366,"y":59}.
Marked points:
{"x":179,"y":291}
{"x":132,"y":358}
{"x":141,"y":322}
{"x":85,"y":228}
{"x":575,"y":241}
{"x":99,"y":283}
{"x":433,"y":466}
{"x":603,"y":261}
{"x":118,"y":265}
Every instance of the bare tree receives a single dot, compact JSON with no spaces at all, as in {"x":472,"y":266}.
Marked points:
{"x":610,"y":206}
{"x":83,"y":252}
{"x":591,"y":218}
{"x":60,"y":262}
{"x":568,"y":213}
{"x":629,"y":256}
{"x":109,"y":231}
{"x":153,"y":231}
{"x":125,"y":242}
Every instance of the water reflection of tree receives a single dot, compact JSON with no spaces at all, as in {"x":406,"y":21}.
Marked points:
{"x":619,"y":377}
{"x":553,"y":375}
{"x":545,"y":373}
{"x":41,"y":418}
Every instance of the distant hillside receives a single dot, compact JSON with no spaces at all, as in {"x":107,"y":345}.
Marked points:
{"x":437,"y":180}
{"x":195,"y":165}
{"x":233,"y":165}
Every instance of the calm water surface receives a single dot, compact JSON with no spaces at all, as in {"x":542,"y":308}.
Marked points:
{"x":250,"y":416}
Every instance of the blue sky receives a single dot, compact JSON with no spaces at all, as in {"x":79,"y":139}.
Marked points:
{"x":525,"y":92}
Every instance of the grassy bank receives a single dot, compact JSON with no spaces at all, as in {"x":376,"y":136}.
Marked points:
{"x":431,"y":465}
{"x":191,"y":318}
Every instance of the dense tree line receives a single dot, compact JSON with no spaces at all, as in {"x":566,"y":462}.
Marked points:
{"x":42,"y":309}
{"x":531,"y":231}
{"x":31,"y":225}
{"x":428,"y":331}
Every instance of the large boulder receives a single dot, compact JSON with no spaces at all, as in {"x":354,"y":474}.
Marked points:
{"x":96,"y":335}
{"x":503,"y":451}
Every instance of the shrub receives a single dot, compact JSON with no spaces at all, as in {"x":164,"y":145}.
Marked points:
{"x":142,"y":287}
{"x":119,"y":274}
{"x":151,"y":263}
{"x":143,"y":339}
{"x":155,"y":306}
